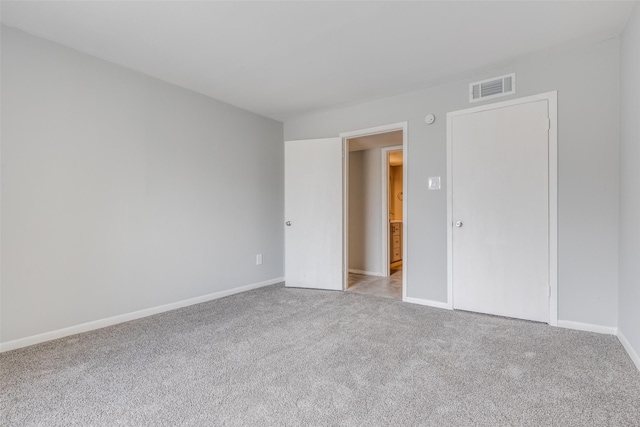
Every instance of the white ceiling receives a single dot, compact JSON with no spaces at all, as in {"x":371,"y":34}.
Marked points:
{"x":281,"y":59}
{"x":376,"y":140}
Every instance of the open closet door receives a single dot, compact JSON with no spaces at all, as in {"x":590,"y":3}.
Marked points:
{"x":313,"y":214}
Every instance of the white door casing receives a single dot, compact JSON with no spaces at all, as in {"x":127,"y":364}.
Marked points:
{"x":403,"y":126}
{"x":313,"y":207}
{"x":502,"y":188}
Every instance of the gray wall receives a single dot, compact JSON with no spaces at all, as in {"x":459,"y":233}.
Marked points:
{"x":121,"y":192}
{"x":630,"y":182}
{"x":365,"y":210}
{"x":587,"y":80}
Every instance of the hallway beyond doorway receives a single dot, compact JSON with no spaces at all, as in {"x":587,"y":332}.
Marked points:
{"x":387,"y":287}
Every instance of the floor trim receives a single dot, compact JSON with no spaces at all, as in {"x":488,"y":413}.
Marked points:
{"x":630,"y":350}
{"x":428,"y":302}
{"x":588,"y":327}
{"x":366,"y":273}
{"x":97,"y":324}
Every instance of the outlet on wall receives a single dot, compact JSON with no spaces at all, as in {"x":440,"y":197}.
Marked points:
{"x":259,"y":259}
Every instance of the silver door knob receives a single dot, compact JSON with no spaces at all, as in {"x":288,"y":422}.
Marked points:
{"x":458,"y":224}
{"x":288,"y":223}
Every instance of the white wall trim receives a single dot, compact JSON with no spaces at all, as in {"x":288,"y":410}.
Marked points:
{"x":427,"y":302}
{"x":345,"y":213}
{"x":366,"y":273}
{"x":588,"y":327}
{"x":405,"y":210}
{"x":374,"y":130}
{"x":121,"y":318}
{"x":552,"y":99}
{"x":630,"y":350}
{"x":449,"y":212}
{"x":553,"y":207}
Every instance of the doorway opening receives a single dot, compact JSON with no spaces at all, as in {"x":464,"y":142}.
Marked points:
{"x":393,"y":166}
{"x":375,"y":211}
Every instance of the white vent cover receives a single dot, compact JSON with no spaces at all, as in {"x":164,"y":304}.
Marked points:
{"x":492,"y":88}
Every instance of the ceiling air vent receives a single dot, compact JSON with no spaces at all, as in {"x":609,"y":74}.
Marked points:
{"x":492,"y":88}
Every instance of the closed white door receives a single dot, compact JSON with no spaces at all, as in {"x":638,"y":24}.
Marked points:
{"x":313,"y":214}
{"x":500,"y":211}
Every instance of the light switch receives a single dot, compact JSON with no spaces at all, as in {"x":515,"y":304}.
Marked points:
{"x":434,"y":183}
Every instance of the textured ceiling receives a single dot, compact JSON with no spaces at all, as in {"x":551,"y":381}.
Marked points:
{"x":281,"y":59}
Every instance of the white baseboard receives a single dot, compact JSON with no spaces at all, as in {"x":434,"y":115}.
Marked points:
{"x":630,"y":350}
{"x":97,"y":324}
{"x":366,"y":273}
{"x":428,"y":302}
{"x":588,"y":327}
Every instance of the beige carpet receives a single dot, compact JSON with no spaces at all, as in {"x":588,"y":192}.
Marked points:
{"x":278,"y":356}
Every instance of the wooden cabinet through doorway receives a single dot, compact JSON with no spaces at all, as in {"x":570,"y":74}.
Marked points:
{"x":395,"y":244}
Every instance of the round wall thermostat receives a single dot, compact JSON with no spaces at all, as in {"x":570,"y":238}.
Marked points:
{"x":430,"y":119}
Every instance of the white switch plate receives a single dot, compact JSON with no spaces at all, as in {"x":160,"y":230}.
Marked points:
{"x":434,"y":183}
{"x":259,"y":259}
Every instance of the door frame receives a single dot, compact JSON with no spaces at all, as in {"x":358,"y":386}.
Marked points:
{"x":403,"y":126}
{"x":552,"y":100}
{"x":386,"y":260}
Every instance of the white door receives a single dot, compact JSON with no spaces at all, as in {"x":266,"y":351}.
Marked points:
{"x":500,"y":211}
{"x":313,"y":213}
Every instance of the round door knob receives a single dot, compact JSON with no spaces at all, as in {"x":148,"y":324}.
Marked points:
{"x":458,"y":224}
{"x":288,"y":223}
